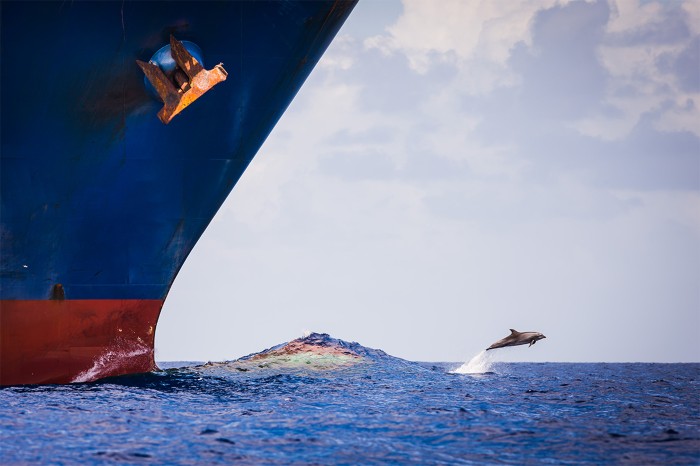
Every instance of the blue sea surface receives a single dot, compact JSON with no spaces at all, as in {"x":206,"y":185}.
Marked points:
{"x":383,"y":410}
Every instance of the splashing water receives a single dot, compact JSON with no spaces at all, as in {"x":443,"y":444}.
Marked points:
{"x":479,"y":364}
{"x":106,"y":364}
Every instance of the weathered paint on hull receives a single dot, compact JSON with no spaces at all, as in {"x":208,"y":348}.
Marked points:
{"x":63,"y":341}
{"x":101,"y":203}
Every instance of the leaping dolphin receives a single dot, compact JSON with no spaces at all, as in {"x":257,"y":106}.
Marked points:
{"x":517,"y":338}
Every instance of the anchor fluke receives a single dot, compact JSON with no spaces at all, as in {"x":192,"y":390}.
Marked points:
{"x":187,"y":83}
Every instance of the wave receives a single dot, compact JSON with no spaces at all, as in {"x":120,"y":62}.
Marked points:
{"x":316,"y":351}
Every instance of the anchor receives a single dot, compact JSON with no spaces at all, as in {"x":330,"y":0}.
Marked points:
{"x":190,"y":77}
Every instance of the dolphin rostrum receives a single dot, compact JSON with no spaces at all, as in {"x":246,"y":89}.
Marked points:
{"x":517,"y":338}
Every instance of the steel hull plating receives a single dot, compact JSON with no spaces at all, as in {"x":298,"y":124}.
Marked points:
{"x":100,"y":200}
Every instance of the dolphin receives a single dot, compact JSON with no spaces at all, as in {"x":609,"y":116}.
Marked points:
{"x":517,"y":338}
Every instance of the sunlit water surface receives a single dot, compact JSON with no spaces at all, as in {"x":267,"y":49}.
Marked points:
{"x":381,"y":411}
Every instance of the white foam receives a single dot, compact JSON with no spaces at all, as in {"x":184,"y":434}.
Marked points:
{"x":479,"y":364}
{"x":106,"y":362}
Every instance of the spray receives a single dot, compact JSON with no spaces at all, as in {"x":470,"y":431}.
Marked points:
{"x":479,"y":364}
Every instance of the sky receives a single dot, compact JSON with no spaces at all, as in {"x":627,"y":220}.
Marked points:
{"x":454,"y":169}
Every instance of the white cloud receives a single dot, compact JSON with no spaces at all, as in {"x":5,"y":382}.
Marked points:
{"x":682,"y":115}
{"x":476,"y":37}
{"x":459,"y":31}
{"x":636,"y":85}
{"x":693,"y":11}
{"x":628,"y":15}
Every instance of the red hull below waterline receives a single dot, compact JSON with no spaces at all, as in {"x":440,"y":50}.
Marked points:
{"x":67,"y":341}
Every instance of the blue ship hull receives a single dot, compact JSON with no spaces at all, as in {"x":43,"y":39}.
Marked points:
{"x":101,"y":202}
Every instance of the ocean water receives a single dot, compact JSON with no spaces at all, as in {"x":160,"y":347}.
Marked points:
{"x":380,"y":410}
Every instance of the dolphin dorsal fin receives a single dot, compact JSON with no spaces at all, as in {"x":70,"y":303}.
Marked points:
{"x":513,"y":332}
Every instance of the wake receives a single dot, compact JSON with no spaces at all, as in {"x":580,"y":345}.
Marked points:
{"x":479,"y":364}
